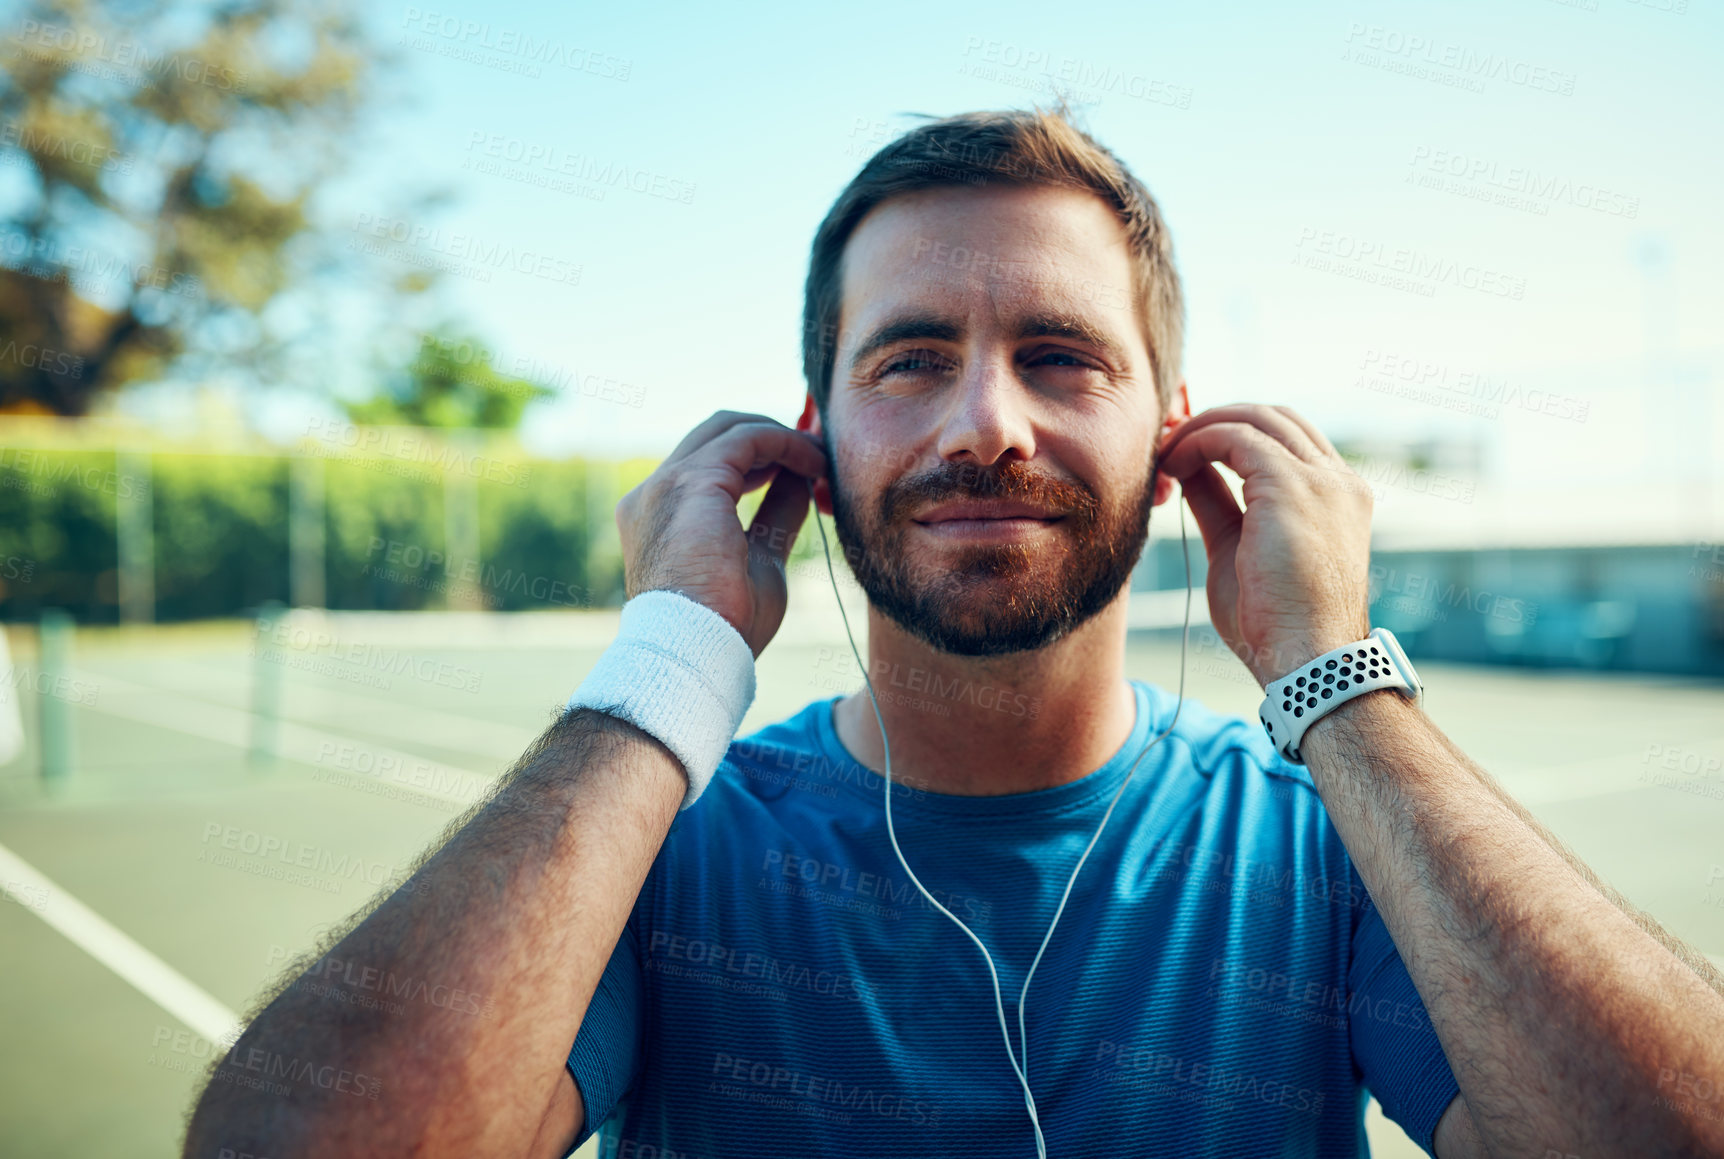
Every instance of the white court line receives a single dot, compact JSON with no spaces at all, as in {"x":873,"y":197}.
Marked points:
{"x":202,"y":680}
{"x":208,"y":720}
{"x":92,"y":933}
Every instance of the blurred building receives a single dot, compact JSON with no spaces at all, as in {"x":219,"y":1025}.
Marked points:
{"x":1465,"y":569}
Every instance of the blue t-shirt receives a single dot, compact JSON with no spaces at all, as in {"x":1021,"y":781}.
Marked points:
{"x":1219,"y":985}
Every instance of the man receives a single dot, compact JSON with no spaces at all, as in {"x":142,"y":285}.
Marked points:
{"x":992,"y":352}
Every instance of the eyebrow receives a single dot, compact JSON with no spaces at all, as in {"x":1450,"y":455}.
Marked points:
{"x":905,"y":328}
{"x":909,"y":327}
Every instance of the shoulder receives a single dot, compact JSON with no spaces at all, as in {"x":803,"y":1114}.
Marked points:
{"x":769,"y":745}
{"x":1224,"y":746}
{"x":1260,"y":815}
{"x":792,"y":757}
{"x":766,"y":777}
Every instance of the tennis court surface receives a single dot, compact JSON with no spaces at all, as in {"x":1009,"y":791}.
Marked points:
{"x":160,"y":883}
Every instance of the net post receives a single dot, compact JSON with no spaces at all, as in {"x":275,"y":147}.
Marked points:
{"x":54,"y":648}
{"x":265,"y":688}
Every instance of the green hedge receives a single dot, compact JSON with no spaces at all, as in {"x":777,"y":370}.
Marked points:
{"x":221,"y":534}
{"x":388,"y":550}
{"x":57,"y":546}
{"x":221,"y":539}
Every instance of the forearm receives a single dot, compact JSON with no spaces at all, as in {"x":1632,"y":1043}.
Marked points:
{"x":518,"y":912}
{"x":1689,"y":956}
{"x":1558,"y":1012}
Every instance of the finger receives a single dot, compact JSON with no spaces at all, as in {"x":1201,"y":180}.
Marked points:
{"x":780,"y":516}
{"x":1211,"y":501}
{"x":759,"y":477}
{"x":1317,"y":437}
{"x":746,"y":448}
{"x":1267,"y":419}
{"x":718,"y":424}
{"x":1242,"y":446}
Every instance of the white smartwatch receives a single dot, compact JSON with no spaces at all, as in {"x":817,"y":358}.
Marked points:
{"x":1292,"y":703}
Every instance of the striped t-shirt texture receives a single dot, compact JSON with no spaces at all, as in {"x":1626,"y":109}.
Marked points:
{"x":1219,"y":985}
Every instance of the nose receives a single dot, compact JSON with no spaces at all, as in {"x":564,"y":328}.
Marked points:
{"x":988,"y":417}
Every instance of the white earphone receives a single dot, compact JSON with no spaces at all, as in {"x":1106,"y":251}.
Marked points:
{"x":1021,"y":1071}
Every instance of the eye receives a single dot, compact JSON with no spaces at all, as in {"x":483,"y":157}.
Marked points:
{"x":1061,"y":359}
{"x":912,"y":362}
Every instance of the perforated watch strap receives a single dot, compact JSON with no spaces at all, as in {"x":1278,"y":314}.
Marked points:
{"x":1303,"y":696}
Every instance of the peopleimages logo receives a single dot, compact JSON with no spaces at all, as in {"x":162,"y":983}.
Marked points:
{"x":466,"y":247}
{"x":1433,"y":593}
{"x":1118,"y":1061}
{"x":532,"y":374}
{"x":126,"y":58}
{"x":700,"y":956}
{"x":320,"y":650}
{"x":534,"y":51}
{"x":358,"y":976}
{"x":1538,"y":189}
{"x":584,"y":167}
{"x":1417,"y":480}
{"x":1398,"y":267}
{"x":1465,"y":389}
{"x":1000,"y":60}
{"x":30,"y":141}
{"x":269,"y":847}
{"x":51,"y":259}
{"x":59,"y":469}
{"x":846,"y":880}
{"x":818,"y":1090}
{"x":335,"y":438}
{"x":886,"y":675}
{"x":1415,"y":54}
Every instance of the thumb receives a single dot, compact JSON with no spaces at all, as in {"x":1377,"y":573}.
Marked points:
{"x":780,"y":515}
{"x":1218,"y":515}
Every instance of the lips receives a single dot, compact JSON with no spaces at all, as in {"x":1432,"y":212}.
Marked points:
{"x":983,"y":511}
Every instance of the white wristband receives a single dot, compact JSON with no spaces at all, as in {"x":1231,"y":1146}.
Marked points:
{"x":679,"y":672}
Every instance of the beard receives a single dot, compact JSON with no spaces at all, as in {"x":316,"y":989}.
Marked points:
{"x":994,"y":599}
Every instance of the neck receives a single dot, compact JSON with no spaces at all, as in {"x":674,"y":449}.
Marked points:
{"x":985,"y":726}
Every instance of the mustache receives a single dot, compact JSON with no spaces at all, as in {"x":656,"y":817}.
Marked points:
{"x":1010,"y":481}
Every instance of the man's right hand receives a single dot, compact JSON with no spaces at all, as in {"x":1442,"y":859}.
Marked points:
{"x":527,"y":900}
{"x":680,"y":531}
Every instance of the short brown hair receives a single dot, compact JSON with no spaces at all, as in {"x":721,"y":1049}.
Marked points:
{"x":1010,"y":147}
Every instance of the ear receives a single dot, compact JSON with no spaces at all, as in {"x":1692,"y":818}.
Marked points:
{"x":1177,"y":415}
{"x":810,"y":422}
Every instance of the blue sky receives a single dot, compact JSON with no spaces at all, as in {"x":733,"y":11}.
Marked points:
{"x":1295,"y":152}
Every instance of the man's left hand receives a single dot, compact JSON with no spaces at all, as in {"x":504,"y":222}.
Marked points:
{"x":1288,"y":575}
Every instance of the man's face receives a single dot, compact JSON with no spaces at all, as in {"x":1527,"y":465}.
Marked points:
{"x":993,"y":415}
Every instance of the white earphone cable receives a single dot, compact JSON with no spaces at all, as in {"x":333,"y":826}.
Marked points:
{"x":1021,"y":1071}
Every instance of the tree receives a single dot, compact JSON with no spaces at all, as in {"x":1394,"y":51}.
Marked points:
{"x":167,"y":178}
{"x":450,"y":383}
